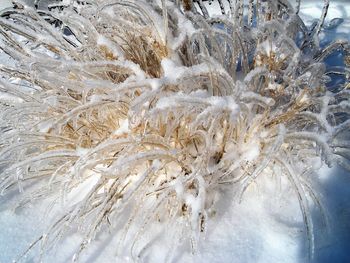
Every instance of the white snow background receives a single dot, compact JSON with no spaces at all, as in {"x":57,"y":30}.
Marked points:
{"x":265,"y":227}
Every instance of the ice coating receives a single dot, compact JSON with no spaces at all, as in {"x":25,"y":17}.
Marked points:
{"x":156,"y":110}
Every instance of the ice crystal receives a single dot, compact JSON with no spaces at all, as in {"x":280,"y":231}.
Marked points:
{"x":156,"y":105}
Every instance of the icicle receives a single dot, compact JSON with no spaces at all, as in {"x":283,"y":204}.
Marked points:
{"x":165,"y":18}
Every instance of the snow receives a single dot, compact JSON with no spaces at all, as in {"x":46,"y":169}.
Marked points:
{"x":123,"y":128}
{"x":104,"y":42}
{"x":5,"y":4}
{"x":171,"y":70}
{"x":253,"y":230}
{"x":337,"y":23}
{"x":212,"y":103}
{"x":187,"y":27}
{"x":9,"y":98}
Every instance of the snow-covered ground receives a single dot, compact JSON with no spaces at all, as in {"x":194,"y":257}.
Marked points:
{"x":264,"y":227}
{"x":5,"y":3}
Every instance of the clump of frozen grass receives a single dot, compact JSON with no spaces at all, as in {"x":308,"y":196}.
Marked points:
{"x":145,"y":109}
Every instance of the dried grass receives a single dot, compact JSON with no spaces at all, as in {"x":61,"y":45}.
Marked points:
{"x":162,"y":118}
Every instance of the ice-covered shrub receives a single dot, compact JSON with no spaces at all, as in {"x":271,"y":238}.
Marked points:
{"x":133,"y":113}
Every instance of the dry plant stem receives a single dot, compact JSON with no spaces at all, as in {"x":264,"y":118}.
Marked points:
{"x":297,"y":8}
{"x":222,"y":8}
{"x":250,"y":12}
{"x":187,"y":4}
{"x":203,"y":8}
{"x":323,"y":17}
